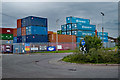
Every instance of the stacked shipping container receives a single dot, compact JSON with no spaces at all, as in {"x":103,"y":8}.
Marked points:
{"x":79,"y":27}
{"x":31,"y":30}
{"x":6,"y":39}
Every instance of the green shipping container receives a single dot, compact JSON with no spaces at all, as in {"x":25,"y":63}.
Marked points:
{"x":6,"y":36}
{"x":59,"y":32}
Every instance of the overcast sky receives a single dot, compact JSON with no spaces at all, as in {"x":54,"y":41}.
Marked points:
{"x":11,"y":11}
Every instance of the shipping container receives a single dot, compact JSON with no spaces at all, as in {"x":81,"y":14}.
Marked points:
{"x":50,"y":32}
{"x":68,"y":32}
{"x":6,"y":36}
{"x":64,"y":33}
{"x":59,"y":32}
{"x":34,"y":38}
{"x":34,"y":21}
{"x":19,"y":48}
{"x":19,"y":39}
{"x":77,"y":20}
{"x":14,"y":39}
{"x":15,"y":32}
{"x":62,"y":38}
{"x":83,"y":33}
{"x":85,"y":27}
{"x":69,"y":26}
{"x":105,"y":39}
{"x":79,"y":39}
{"x":31,"y":30}
{"x":6,"y":30}
{"x":105,"y":34}
{"x":19,"y":23}
{"x":63,"y":27}
{"x":23,"y":31}
{"x":18,"y":31}
{"x":10,"y":42}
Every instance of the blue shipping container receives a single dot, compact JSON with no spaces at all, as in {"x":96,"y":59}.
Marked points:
{"x":77,"y":20}
{"x":69,"y":27}
{"x":18,"y":48}
{"x":31,"y":30}
{"x":35,"y":38}
{"x":105,"y":34}
{"x":79,"y":39}
{"x":63,"y":27}
{"x":86,"y":27}
{"x":19,"y":39}
{"x":14,"y":39}
{"x":83,"y":33}
{"x":18,"y":31}
{"x":34,"y":21}
{"x":68,"y":32}
{"x":74,"y":32}
{"x":104,"y":38}
{"x":64,"y":33}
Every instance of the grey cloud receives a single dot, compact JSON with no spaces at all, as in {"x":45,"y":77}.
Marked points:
{"x":54,"y":11}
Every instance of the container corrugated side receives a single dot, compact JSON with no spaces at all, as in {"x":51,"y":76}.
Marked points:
{"x":19,"y":21}
{"x":14,"y":39}
{"x":18,"y":31}
{"x":105,"y":34}
{"x":31,"y":30}
{"x":77,"y":20}
{"x":15,"y":32}
{"x":62,"y":38}
{"x":35,"y":38}
{"x":6,"y":36}
{"x":6,"y":30}
{"x":23,"y":31}
{"x":34,"y":21}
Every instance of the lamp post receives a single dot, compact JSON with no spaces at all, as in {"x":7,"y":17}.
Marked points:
{"x":102,"y":27}
{"x":57,"y":36}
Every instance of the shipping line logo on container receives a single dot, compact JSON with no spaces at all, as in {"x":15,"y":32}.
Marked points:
{"x":86,"y":27}
{"x":51,"y":48}
{"x":87,"y":34}
{"x":80,"y":21}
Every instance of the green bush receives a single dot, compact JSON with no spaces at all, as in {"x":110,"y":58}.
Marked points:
{"x":94,"y":56}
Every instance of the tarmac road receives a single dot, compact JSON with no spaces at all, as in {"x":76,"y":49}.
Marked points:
{"x":46,"y":66}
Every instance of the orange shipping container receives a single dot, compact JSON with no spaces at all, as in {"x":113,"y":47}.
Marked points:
{"x":19,"y":23}
{"x":15,"y":32}
{"x":23,"y":31}
{"x":62,"y":38}
{"x":50,"y":32}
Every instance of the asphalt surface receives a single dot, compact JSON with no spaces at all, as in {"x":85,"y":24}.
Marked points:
{"x":46,"y":66}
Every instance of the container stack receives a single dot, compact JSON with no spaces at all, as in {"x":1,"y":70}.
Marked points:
{"x":64,"y":42}
{"x":79,"y":27}
{"x":31,"y":29}
{"x":6,"y":40}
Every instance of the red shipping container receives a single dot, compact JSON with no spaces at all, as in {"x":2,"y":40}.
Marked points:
{"x":23,"y":31}
{"x":50,"y":32}
{"x":96,"y":33}
{"x":6,"y":30}
{"x":15,"y":32}
{"x":19,"y":23}
{"x":62,"y":38}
